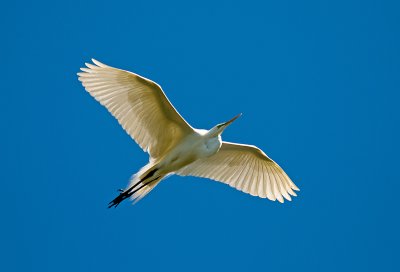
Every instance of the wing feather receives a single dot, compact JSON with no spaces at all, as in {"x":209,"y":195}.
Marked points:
{"x":262,"y":189}
{"x":139,"y":105}
{"x":246,"y":168}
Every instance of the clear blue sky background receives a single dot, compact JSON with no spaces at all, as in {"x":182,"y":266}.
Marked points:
{"x":317,"y":83}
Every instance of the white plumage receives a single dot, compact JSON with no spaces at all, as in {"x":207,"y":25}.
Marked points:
{"x":143,"y":110}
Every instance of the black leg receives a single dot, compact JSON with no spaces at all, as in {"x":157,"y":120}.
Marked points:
{"x":126,"y":194}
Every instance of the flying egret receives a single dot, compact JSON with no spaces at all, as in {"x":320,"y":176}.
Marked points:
{"x":143,"y":110}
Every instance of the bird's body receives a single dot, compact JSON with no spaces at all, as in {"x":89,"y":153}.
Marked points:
{"x":174,"y":146}
{"x":192,"y":147}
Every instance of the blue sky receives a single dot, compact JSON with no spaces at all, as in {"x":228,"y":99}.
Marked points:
{"x":317,"y":83}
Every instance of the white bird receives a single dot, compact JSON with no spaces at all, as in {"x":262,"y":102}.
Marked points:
{"x":174,"y":147}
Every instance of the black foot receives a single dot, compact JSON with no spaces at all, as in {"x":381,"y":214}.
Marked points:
{"x":127,"y":193}
{"x":122,"y":196}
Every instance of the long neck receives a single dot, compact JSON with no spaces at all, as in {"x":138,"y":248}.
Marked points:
{"x":212,"y":145}
{"x":212,"y":133}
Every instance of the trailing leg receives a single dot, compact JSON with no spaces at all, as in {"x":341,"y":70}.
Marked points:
{"x":147,"y":180}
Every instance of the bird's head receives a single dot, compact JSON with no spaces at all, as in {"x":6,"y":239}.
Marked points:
{"x":218,"y":129}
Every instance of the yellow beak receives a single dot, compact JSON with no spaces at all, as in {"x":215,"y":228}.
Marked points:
{"x":233,"y":119}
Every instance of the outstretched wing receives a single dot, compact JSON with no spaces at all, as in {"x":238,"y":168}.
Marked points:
{"x":139,"y":105}
{"x":247,"y":168}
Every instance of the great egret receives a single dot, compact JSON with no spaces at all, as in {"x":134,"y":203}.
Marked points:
{"x":143,"y":110}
